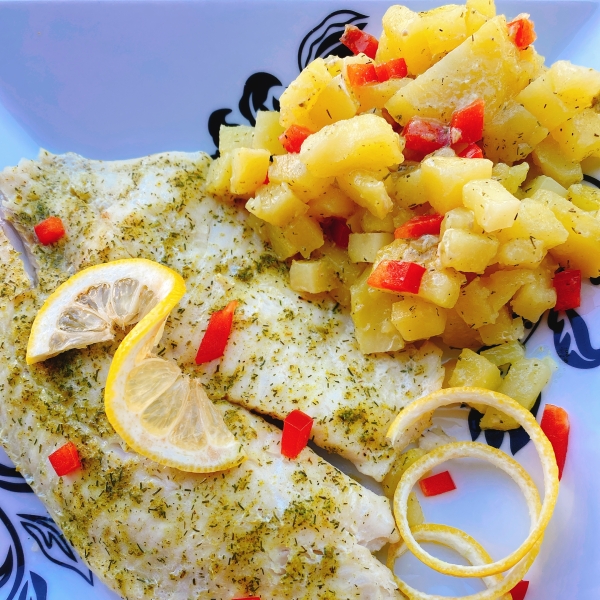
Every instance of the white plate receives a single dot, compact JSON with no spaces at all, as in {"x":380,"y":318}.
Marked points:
{"x":117,"y":80}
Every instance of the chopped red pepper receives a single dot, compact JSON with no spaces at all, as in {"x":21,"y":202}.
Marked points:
{"x":217,"y":334}
{"x":392,"y":69}
{"x":520,"y":590}
{"x":359,"y":74}
{"x":337,"y":231}
{"x":418,"y":226}
{"x":296,"y":431}
{"x":468,"y":122}
{"x":397,"y":276}
{"x":359,"y":41}
{"x":50,"y":230}
{"x":521,"y":31}
{"x":65,"y":460}
{"x":437,"y":484}
{"x":426,"y":135}
{"x":471,"y":151}
{"x":555,"y":424}
{"x":293,"y":137}
{"x":567,"y":284}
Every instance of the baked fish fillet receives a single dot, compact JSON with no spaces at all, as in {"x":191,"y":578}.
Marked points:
{"x":285,"y":352}
{"x":271,"y":527}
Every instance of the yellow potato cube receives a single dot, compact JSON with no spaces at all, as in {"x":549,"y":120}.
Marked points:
{"x":364,"y":142}
{"x":371,"y":224}
{"x":510,"y":177}
{"x":367,"y":191}
{"x":584,"y":197}
{"x":344,"y":269}
{"x":276,"y":204}
{"x":505,"y":329}
{"x":371,"y":313}
{"x":406,"y":188}
{"x":576,"y":86}
{"x":535,"y":297}
{"x":334,"y":103}
{"x":291,"y":170}
{"x":267,"y":131}
{"x":493,"y":206}
{"x":458,"y":334}
{"x":375,"y":95}
{"x":505,"y":354}
{"x":519,"y":252}
{"x":474,"y":370}
{"x":444,"y":177}
{"x":495,"y":419}
{"x":503,"y":285}
{"x":441,"y":286}
{"x":474,"y":305}
{"x":543,"y":182}
{"x":460,"y":218}
{"x":219,"y":176}
{"x":526,"y":379}
{"x":446,"y":29}
{"x":548,"y":156}
{"x":248,"y":170}
{"x":363,"y":247}
{"x":331,"y":203}
{"x":302,"y":235}
{"x":312,"y":276}
{"x":302,"y":94}
{"x":579,"y":137}
{"x":485,"y":7}
{"x":466,"y":251}
{"x":417,"y":319}
{"x":282,"y":247}
{"x":235,"y":136}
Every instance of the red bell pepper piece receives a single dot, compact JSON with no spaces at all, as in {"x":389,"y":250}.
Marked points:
{"x":471,"y":151}
{"x":418,"y":226}
{"x":468,"y":121}
{"x":337,"y":231}
{"x":520,"y":590}
{"x":555,"y":424}
{"x":397,"y":276}
{"x":217,"y":334}
{"x":426,"y":135}
{"x":437,"y":484}
{"x":50,"y":230}
{"x":392,"y":69}
{"x":567,"y":284}
{"x":296,"y":431}
{"x":293,"y":137}
{"x":359,"y":41}
{"x":65,"y":460}
{"x":359,"y":74}
{"x":521,"y":31}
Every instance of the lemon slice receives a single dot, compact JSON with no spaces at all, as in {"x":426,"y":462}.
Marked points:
{"x":157,"y":410}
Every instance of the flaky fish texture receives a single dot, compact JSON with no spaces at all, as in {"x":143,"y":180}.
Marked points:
{"x":285,"y":352}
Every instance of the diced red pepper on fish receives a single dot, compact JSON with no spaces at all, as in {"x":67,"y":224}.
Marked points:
{"x":217,"y":334}
{"x":50,"y":230}
{"x":65,"y":460}
{"x":296,"y":432}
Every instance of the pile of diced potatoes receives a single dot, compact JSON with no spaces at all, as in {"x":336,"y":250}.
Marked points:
{"x":510,"y":219}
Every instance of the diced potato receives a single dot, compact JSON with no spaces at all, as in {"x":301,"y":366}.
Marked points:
{"x":371,"y":224}
{"x":367,"y":191}
{"x":363,"y":247}
{"x":248,"y":170}
{"x":505,"y":329}
{"x":302,"y":234}
{"x":518,"y":252}
{"x":535,"y":297}
{"x":334,"y":103}
{"x":503,"y":285}
{"x":548,"y":156}
{"x":414,"y":512}
{"x":495,"y":419}
{"x":512,"y":133}
{"x":364,"y":142}
{"x":494,"y":207}
{"x":449,"y":368}
{"x":474,"y":305}
{"x":235,"y":136}
{"x":331,"y":203}
{"x":441,"y":286}
{"x":466,"y":251}
{"x":536,"y":220}
{"x":371,"y":313}
{"x":405,"y":460}
{"x":282,"y":247}
{"x":576,"y":86}
{"x":582,"y":248}
{"x":543,"y":182}
{"x":474,"y":370}
{"x":302,"y":94}
{"x":505,"y":354}
{"x":584,"y":197}
{"x":460,"y":218}
{"x":407,"y":189}
{"x":344,"y":269}
{"x":446,"y":28}
{"x":488,"y":66}
{"x":276,"y":204}
{"x":417,"y":319}
{"x":267,"y":131}
{"x":541,"y":101}
{"x":579,"y":137}
{"x":219,"y":176}
{"x":485,"y":7}
{"x":525,"y":380}
{"x":510,"y":177}
{"x":375,"y":95}
{"x":291,"y":170}
{"x":444,"y":178}
{"x":458,"y":334}
{"x":313,"y":276}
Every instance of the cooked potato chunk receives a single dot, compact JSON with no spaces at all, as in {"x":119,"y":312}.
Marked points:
{"x":549,"y":157}
{"x":276,"y":204}
{"x":331,"y":203}
{"x":458,"y":334}
{"x":441,"y":286}
{"x":417,"y":319}
{"x":267,"y":131}
{"x":218,"y":178}
{"x":248,"y":170}
{"x":519,"y":252}
{"x":291,"y":170}
{"x":505,"y":329}
{"x":302,"y":235}
{"x":367,"y":191}
{"x":313,"y":276}
{"x":466,"y":251}
{"x":504,"y":354}
{"x":474,"y":370}
{"x":407,"y":189}
{"x":493,"y":206}
{"x":474,"y":305}
{"x":543,"y":182}
{"x":510,"y":177}
{"x":579,"y":137}
{"x":363,"y":247}
{"x":584,"y":197}
{"x":334,"y":103}
{"x":525,"y":380}
{"x":236,"y":136}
